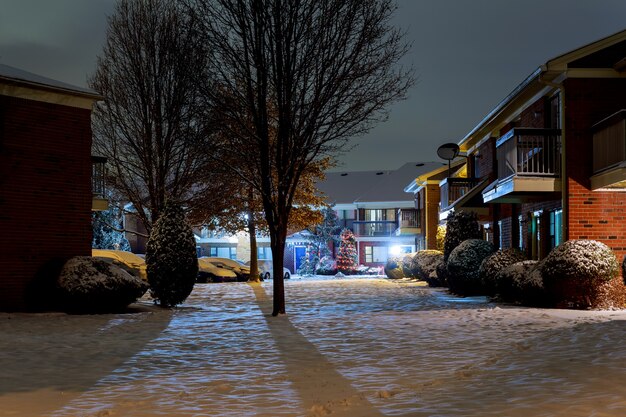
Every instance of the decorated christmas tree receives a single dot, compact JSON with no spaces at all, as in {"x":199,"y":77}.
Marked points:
{"x":347,"y":257}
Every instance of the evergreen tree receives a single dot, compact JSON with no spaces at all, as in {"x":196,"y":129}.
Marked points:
{"x":310,"y":260}
{"x":107,"y":230}
{"x":323,"y":237}
{"x":347,"y":257}
{"x":327,"y":233}
{"x":461,"y":226}
{"x":171,"y":257}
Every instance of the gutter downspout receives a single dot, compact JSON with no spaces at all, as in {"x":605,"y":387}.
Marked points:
{"x":564,"y":182}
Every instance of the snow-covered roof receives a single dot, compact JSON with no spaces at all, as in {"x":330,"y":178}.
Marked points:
{"x":373,"y":186}
{"x":19,"y":76}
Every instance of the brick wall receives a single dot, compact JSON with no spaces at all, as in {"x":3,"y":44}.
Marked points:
{"x":592,"y":214}
{"x":485,"y":160}
{"x":45,"y":194}
{"x":534,"y":115}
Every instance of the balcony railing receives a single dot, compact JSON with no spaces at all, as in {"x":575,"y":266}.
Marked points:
{"x":609,"y":141}
{"x":97,"y":176}
{"x":529,"y":152}
{"x":374,"y":228}
{"x":451,"y":189}
{"x":408,"y":218}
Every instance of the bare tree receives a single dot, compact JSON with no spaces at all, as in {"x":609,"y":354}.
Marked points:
{"x":317,"y":72}
{"x":149,"y":123}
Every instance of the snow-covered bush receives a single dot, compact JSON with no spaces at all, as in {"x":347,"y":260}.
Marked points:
{"x":171,"y":257}
{"x":424,"y":266}
{"x":407,"y":265}
{"x":440,"y":278}
{"x":326,"y":266}
{"x":393,"y":268}
{"x":460,"y":226}
{"x":91,"y":285}
{"x":463,"y":266}
{"x":578,"y":274}
{"x":492,"y":265}
{"x":441,"y":237}
{"x":521,"y":282}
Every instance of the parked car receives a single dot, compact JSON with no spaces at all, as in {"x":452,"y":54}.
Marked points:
{"x":128,"y":261}
{"x":239,"y":268}
{"x":209,"y":272}
{"x":266,"y":270}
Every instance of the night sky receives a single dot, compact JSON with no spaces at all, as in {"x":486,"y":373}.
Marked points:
{"x":468,"y":55}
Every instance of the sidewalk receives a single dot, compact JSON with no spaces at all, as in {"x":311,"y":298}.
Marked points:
{"x":348,"y":347}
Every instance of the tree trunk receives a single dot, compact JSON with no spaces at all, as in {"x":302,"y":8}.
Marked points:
{"x":278,"y":255}
{"x":254,"y":264}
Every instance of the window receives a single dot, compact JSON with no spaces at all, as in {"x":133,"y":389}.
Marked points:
{"x":375,"y":215}
{"x":380,"y":254}
{"x":223,"y":252}
{"x":380,"y":215}
{"x":500,"y":234}
{"x":556,"y":229}
{"x":264,"y":252}
{"x":376,"y":254}
{"x":487,"y":233}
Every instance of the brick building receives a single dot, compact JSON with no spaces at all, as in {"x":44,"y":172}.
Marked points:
{"x":549,"y":161}
{"x":45,"y":180}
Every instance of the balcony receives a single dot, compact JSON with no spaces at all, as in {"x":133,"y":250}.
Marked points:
{"x":98,"y":198}
{"x":374,"y":228}
{"x":529,"y":166}
{"x":609,"y":153}
{"x":451,"y":189}
{"x":408,"y":222}
{"x":529,"y":152}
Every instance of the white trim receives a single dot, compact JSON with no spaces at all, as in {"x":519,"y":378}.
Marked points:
{"x":47,"y":96}
{"x":611,"y":179}
{"x":515,"y":184}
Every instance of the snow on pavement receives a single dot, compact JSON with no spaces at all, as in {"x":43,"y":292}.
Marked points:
{"x":348,"y":347}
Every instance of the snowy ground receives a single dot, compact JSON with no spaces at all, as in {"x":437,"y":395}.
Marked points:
{"x":348,"y":347}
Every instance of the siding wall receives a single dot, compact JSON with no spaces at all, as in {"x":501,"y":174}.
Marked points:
{"x":45,"y":193}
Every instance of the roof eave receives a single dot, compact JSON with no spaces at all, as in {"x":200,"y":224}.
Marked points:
{"x":86,"y":93}
{"x":545,"y":74}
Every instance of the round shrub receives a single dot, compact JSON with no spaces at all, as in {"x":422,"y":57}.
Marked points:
{"x":424,"y":266}
{"x":90,"y":285}
{"x":393,"y":268}
{"x":171,"y":258}
{"x":576,"y":274}
{"x":493,"y":264}
{"x":463,"y":266}
{"x":440,"y":277}
{"x":326,"y":266}
{"x":521,"y":283}
{"x":460,"y":226}
{"x":407,"y":265}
